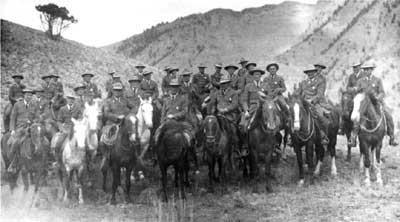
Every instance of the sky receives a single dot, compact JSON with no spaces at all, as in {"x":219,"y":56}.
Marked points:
{"x":104,"y":22}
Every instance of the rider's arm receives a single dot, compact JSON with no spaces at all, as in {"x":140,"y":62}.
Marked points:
{"x":243,"y":98}
{"x":13,"y":117}
{"x":184,"y":106}
{"x":234,"y":103}
{"x":282,"y":87}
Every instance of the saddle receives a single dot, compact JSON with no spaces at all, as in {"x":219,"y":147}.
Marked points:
{"x":109,"y":134}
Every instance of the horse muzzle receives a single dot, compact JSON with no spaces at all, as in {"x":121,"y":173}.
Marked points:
{"x":296,"y":125}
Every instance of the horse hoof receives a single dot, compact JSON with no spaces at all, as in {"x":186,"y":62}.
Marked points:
{"x":367,"y":183}
{"x":379,"y":182}
{"x":300,"y":183}
{"x":81,"y":202}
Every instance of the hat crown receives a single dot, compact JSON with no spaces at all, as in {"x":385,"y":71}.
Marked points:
{"x":174,"y":82}
{"x":243,"y":60}
{"x":186,"y":72}
{"x":117,"y":85}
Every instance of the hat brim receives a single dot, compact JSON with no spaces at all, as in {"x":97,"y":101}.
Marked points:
{"x":140,"y":66}
{"x":45,"y":77}
{"x":79,"y":87}
{"x":117,"y":88}
{"x":71,"y":97}
{"x":225,"y":81}
{"x":87,"y":74}
{"x":175,"y":69}
{"x":251,"y":72}
{"x":202,"y":67}
{"x":134,"y":80}
{"x":368,"y":67}
{"x":272,"y":64}
{"x":186,"y":74}
{"x":355,"y":65}
{"x":147,"y":73}
{"x":17,"y":76}
{"x":244,"y":61}
{"x":250,"y":64}
{"x":231,"y":66}
{"x":310,"y":70}
{"x":319,"y":65}
{"x":174,"y":85}
{"x":28,"y":91}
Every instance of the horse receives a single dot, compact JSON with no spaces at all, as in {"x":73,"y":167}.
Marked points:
{"x":262,"y":138}
{"x":74,"y":156}
{"x":144,"y":125}
{"x":123,"y":153}
{"x":172,"y":148}
{"x":346,"y":103}
{"x":217,"y":149}
{"x":304,"y":132}
{"x":30,"y":158}
{"x":372,"y":122}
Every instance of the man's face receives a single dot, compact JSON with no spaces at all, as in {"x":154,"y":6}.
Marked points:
{"x":368,"y":71}
{"x":224,"y":85}
{"x":28,"y":96}
{"x":17,"y":80}
{"x":251,"y":67}
{"x":311,"y":74}
{"x":55,"y":79}
{"x":117,"y":93}
{"x":70,"y":101}
{"x":356,"y":69}
{"x":319,"y":69}
{"x":272,"y":70}
{"x":87,"y":78}
{"x":174,"y":90}
{"x":134,"y":84}
{"x":231,"y":70}
{"x":257,"y":76}
{"x":47,"y":80}
{"x":173,"y":73}
{"x":201,"y":70}
{"x":218,"y":69}
{"x":186,"y":78}
{"x":140,"y":69}
{"x":80,"y":91}
{"x":147,"y":77}
{"x":243,"y":64}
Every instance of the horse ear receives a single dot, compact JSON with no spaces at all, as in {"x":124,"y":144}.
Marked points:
{"x":74,"y":121}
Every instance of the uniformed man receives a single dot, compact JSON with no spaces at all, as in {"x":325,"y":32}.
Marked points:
{"x":225,"y":102}
{"x":244,"y":76}
{"x":175,"y":107}
{"x":201,"y":83}
{"x":43,"y":105}
{"x":243,"y":70}
{"x":234,"y":79}
{"x":80,"y":93}
{"x":313,"y":90}
{"x":140,"y":70}
{"x":172,"y":74}
{"x":23,"y":114}
{"x":148,"y":86}
{"x":274,"y":85}
{"x":58,"y":86}
{"x":48,"y":88}
{"x":249,"y":99}
{"x":132,"y":93}
{"x":216,"y":77}
{"x":320,"y":68}
{"x":372,"y":85}
{"x":186,"y":86}
{"x":116,"y":107}
{"x":109,"y":84}
{"x":14,"y":94}
{"x":90,"y":87}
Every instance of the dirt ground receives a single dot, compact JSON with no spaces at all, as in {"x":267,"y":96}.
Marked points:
{"x":343,"y":198}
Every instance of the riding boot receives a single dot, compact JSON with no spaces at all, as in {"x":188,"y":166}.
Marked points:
{"x":390,"y":129}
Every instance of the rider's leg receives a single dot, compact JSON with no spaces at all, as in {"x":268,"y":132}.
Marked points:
{"x":390,"y":128}
{"x":6,"y":118}
{"x":324,"y":123}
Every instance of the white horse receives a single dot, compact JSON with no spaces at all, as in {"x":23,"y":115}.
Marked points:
{"x":145,"y":123}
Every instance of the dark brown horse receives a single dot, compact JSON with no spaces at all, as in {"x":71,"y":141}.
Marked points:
{"x":262,"y":138}
{"x":368,"y":113}
{"x":217,"y":148}
{"x":123,"y":153}
{"x":346,"y":103}
{"x":173,"y":149}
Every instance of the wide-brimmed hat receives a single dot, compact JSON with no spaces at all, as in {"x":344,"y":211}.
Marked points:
{"x":111,"y":73}
{"x":186,"y":72}
{"x":39,"y":89}
{"x":47,"y":76}
{"x":147,"y":73}
{"x":55,"y":76}
{"x":134,"y":78}
{"x":218,"y":65}
{"x":310,"y":68}
{"x":231,"y":66}
{"x":174,"y":82}
{"x":17,"y":76}
{"x":173,"y":69}
{"x":117,"y":86}
{"x":87,"y":74}
{"x":251,"y":72}
{"x":80,"y":86}
{"x":201,"y":65}
{"x":140,"y":66}
{"x":272,"y":64}
{"x":319,"y":64}
{"x":224,"y":79}
{"x":116,"y":77}
{"x":356,"y":63}
{"x":71,"y":96}
{"x":250,"y":64}
{"x":242,"y":60}
{"x":28,"y":90}
{"x":368,"y":65}
{"x":167,"y":68}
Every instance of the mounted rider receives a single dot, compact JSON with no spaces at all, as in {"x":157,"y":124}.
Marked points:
{"x":313,"y":91}
{"x":234,"y":78}
{"x":216,"y":76}
{"x":373,"y":86}
{"x":201,"y":83}
{"x":109,"y":84}
{"x":23,"y":114}
{"x":149,"y":88}
{"x":171,"y":74}
{"x":186,"y":87}
{"x":249,"y":100}
{"x":140,"y":70}
{"x":132,"y":93}
{"x":14,"y":94}
{"x":274,"y":85}
{"x":91,"y":88}
{"x":243,"y":73}
{"x":175,"y":107}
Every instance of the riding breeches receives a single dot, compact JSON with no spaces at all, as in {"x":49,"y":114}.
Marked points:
{"x":6,"y":117}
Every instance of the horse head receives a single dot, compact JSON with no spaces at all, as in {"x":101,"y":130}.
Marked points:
{"x":270,"y":114}
{"x":211,"y":128}
{"x":346,"y":104}
{"x":93,"y":113}
{"x":298,"y":111}
{"x":80,"y":131}
{"x":130,"y":124}
{"x":145,"y":112}
{"x":37,"y":135}
{"x":360,"y":105}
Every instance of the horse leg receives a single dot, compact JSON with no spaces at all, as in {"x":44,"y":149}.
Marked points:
{"x":299,"y":155}
{"x":116,"y":181}
{"x":163,"y":170}
{"x":67,"y":178}
{"x":104,"y":170}
{"x":80,"y":183}
{"x":128,"y":184}
{"x":332,"y":151}
{"x":348,"y":158}
{"x":176,"y":176}
{"x":268,"y":173}
{"x":377,"y":165}
{"x":367,"y":164}
{"x":25,"y":179}
{"x":319,"y":151}
{"x":182,"y":179}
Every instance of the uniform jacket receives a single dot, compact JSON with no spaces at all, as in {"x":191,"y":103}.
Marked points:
{"x":149,"y":87}
{"x":22,"y":114}
{"x":165,"y":83}
{"x":274,"y":85}
{"x":228,"y":99}
{"x":114,"y":107}
{"x":244,"y":78}
{"x":200,"y":83}
{"x":249,"y":99}
{"x":43,"y":105}
{"x":215,"y":78}
{"x":58,"y":88}
{"x":67,"y":112}
{"x":235,"y":82}
{"x":15,"y":92}
{"x":186,"y":88}
{"x":175,"y":105}
{"x":313,"y":90}
{"x":92,"y":88}
{"x":352,"y":81}
{"x":132,"y":96}
{"x":372,"y":83}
